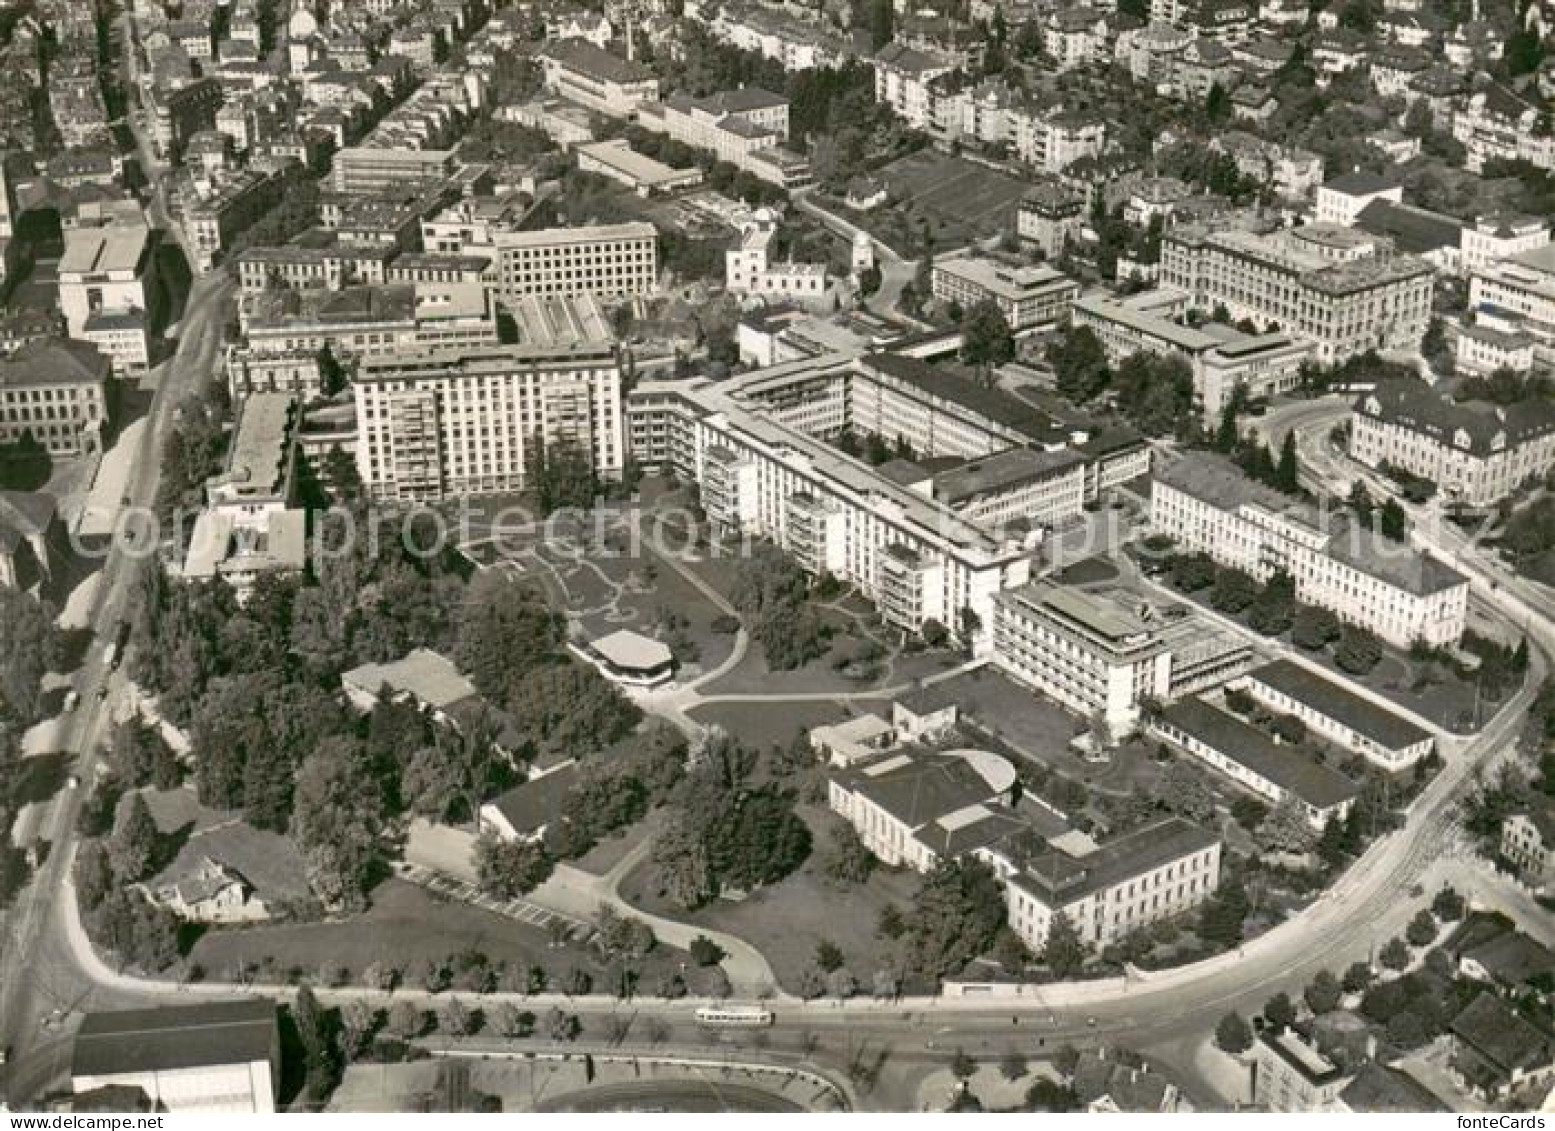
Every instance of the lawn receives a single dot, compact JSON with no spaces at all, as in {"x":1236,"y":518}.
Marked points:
{"x":762,"y":723}
{"x":962,"y":199}
{"x":405,"y":925}
{"x":787,"y":920}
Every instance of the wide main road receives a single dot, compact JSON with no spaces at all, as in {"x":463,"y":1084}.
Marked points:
{"x":39,"y":972}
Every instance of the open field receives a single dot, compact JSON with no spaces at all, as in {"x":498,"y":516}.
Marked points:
{"x":760,"y":724}
{"x":961,"y":199}
{"x":405,"y":925}
{"x":787,"y":920}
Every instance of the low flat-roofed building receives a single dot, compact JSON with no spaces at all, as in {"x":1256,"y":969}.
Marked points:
{"x":844,"y":743}
{"x":210,"y":1058}
{"x":616,"y":159}
{"x":1255,"y":761}
{"x":633,"y":659}
{"x":239,"y":551}
{"x":1327,"y":708}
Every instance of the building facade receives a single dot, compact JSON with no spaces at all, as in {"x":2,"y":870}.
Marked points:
{"x":1208,"y":505}
{"x":610,"y":261}
{"x":1475,"y":452}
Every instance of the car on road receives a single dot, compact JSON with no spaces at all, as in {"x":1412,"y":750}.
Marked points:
{"x":72,"y":698}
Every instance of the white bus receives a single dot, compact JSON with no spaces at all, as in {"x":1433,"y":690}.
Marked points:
{"x":734,"y":1016}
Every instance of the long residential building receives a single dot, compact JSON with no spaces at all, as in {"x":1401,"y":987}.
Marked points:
{"x":1476,"y":452}
{"x":914,"y":557}
{"x":607,"y":261}
{"x":1156,"y":872}
{"x":447,"y":422}
{"x":1345,"y":291}
{"x":748,"y":128}
{"x":1256,"y":762}
{"x":1208,"y":505}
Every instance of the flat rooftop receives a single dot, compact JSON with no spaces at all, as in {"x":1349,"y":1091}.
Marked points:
{"x":114,"y":249}
{"x":597,"y":233}
{"x":259,"y":445}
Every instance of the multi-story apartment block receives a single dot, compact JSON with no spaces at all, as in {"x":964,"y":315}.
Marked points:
{"x":1528,"y":842}
{"x":1379,"y":735}
{"x":578,"y":71}
{"x":1483,"y":348}
{"x":774,"y":33}
{"x":610,"y":261}
{"x":55,"y":390}
{"x":1030,"y":298}
{"x":360,"y":321}
{"x":373,"y":171}
{"x":1156,"y":872}
{"x":1208,"y":505}
{"x":1476,"y":452}
{"x":903,"y":78}
{"x":1026,"y":488}
{"x":1049,"y":216}
{"x":177,"y":114}
{"x":464,"y":422}
{"x":106,"y":278}
{"x":212,"y":221}
{"x":303,"y":266}
{"x":915,"y":557}
{"x":1345,"y":291}
{"x":1246,"y":755}
{"x":1497,"y":123}
{"x":747,"y":127}
{"x":1342,"y":199}
{"x":1520,"y":291}
{"x":1291,"y":1074}
{"x":1222,"y":358}
{"x":1105,"y":658}
{"x":1501,"y":236}
{"x":1054,"y":140}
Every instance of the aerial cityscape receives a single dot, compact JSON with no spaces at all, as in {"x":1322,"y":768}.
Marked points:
{"x":813,"y":556}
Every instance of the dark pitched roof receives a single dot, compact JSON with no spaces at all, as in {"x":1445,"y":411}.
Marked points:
{"x":171,"y":1037}
{"x":1360,"y":184}
{"x":920,"y":790}
{"x":54,"y":361}
{"x":536,"y":803}
{"x":581,"y":55}
{"x":1418,"y":407}
{"x":1287,"y":767}
{"x":1513,"y":958}
{"x":1501,"y":1037}
{"x":1378,"y":1088}
{"x":1328,"y":698}
{"x":1059,"y":879}
{"x":1003,"y":472}
{"x":1415,"y":231}
{"x":959,"y":388}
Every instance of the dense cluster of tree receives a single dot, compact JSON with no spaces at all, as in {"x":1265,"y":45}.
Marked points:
{"x":770,"y":592}
{"x":257,"y":688}
{"x":31,"y":649}
{"x":1154,"y":392}
{"x":732,"y":826}
{"x":956,"y":916}
{"x":13,"y":863}
{"x":118,"y":916}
